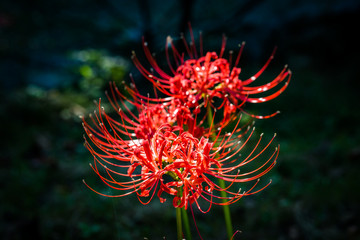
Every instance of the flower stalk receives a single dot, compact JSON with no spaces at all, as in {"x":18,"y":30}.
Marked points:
{"x":223,"y":194}
{"x":179,"y":224}
{"x":185,"y":220}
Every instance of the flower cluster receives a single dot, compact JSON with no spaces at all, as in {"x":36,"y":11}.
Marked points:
{"x":201,"y":80}
{"x":173,"y":146}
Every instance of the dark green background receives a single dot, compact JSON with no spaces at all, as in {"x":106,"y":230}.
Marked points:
{"x":56,"y":57}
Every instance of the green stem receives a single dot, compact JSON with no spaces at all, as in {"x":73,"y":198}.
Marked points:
{"x":223,"y":194}
{"x":178,"y":223}
{"x":226,"y":208}
{"x":181,"y":214}
{"x":186,"y":224}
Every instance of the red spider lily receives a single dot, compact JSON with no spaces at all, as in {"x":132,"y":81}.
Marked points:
{"x":174,"y":162}
{"x":200,"y":80}
{"x":150,"y":115}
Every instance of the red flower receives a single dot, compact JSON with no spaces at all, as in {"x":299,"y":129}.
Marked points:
{"x":141,"y":117}
{"x":201,"y":80}
{"x":173,"y":162}
{"x":149,"y":116}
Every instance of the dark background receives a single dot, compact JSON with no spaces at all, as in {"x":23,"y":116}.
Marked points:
{"x":56,"y":57}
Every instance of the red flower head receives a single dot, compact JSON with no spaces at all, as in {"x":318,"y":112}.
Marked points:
{"x":173,"y":162}
{"x":201,"y":80}
{"x":149,"y":117}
